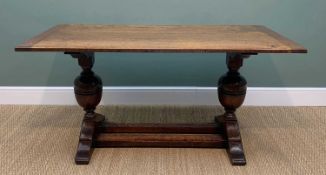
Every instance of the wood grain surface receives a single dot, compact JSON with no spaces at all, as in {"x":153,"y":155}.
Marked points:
{"x":159,"y":38}
{"x":198,"y":128}
{"x":160,"y":140}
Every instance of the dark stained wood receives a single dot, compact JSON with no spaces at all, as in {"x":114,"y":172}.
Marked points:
{"x":160,"y":140}
{"x":234,"y":142}
{"x":224,"y":133}
{"x":84,"y":149}
{"x":232,"y":86}
{"x":88,"y":133}
{"x":203,"y":128}
{"x":88,"y":86}
{"x":232,"y":89}
{"x":160,"y":38}
{"x":88,"y":93}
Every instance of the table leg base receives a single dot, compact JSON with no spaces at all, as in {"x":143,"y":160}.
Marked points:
{"x":234,"y":146}
{"x":236,"y":154}
{"x":84,"y":152}
{"x":203,"y":135}
{"x":88,"y":133}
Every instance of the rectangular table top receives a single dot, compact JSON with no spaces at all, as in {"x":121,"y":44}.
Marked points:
{"x":161,"y":38}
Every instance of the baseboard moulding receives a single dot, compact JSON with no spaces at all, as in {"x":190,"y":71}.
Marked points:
{"x":256,"y":96}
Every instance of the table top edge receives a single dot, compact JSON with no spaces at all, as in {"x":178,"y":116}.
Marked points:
{"x":26,"y":49}
{"x":28,"y":45}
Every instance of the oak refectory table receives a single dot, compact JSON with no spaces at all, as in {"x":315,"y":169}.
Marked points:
{"x":237,"y":41}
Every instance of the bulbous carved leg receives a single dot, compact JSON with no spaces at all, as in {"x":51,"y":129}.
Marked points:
{"x":88,"y":93}
{"x":231,"y":92}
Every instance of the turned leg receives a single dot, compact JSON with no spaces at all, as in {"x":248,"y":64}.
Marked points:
{"x":231,"y":93}
{"x":88,"y":93}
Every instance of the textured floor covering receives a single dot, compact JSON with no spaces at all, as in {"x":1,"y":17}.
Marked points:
{"x":277,"y":140}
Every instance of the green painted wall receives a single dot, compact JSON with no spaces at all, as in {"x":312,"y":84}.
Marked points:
{"x":301,"y":20}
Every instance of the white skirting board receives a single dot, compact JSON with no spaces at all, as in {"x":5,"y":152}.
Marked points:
{"x":256,"y":96}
